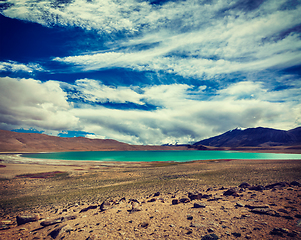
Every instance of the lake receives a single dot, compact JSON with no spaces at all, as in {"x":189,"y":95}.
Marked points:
{"x":151,"y":156}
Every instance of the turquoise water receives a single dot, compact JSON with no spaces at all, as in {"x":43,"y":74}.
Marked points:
{"x":151,"y":156}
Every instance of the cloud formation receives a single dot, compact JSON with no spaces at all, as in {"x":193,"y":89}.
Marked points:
{"x":180,"y":115}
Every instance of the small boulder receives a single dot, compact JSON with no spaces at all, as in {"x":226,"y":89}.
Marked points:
{"x":199,"y":205}
{"x":175,"y":201}
{"x":105,"y":205}
{"x":184,"y":200}
{"x":230,"y":192}
{"x":295,"y":183}
{"x":257,"y":188}
{"x":27,"y":218}
{"x":211,"y":236}
{"x":244,"y":185}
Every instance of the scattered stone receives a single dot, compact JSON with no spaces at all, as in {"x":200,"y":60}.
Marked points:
{"x":236,"y":234}
{"x":264,"y":211}
{"x":238,"y":204}
{"x":295,"y":183}
{"x":105,"y":205}
{"x":197,"y":196}
{"x":282,"y":210}
{"x":27,"y":218}
{"x":230,"y":192}
{"x":244,"y":185}
{"x":55,"y":232}
{"x":256,"y":206}
{"x":88,"y":208}
{"x":211,"y":236}
{"x":276,"y":231}
{"x":199,"y":205}
{"x":157,"y":194}
{"x":257,"y":188}
{"x":214,"y":199}
{"x":206,"y":196}
{"x":175,"y":201}
{"x":135,"y":207}
{"x":4,"y":227}
{"x":144,"y":224}
{"x":51,"y":222}
{"x":184,"y":200}
{"x":279,"y":184}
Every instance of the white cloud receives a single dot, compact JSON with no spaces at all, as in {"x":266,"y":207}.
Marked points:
{"x":31,"y":103}
{"x":15,"y":67}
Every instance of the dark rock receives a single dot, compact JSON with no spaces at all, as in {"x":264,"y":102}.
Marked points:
{"x":57,"y":220}
{"x":175,"y":201}
{"x":278,"y":184}
{"x":236,"y":234}
{"x":238,"y":204}
{"x":51,"y":222}
{"x":135,"y":207}
{"x":214,"y":199}
{"x":276,"y":231}
{"x":144,"y":224}
{"x":206,"y":196}
{"x":197,"y":196}
{"x":257,"y":188}
{"x":298,"y":216}
{"x":210,"y":230}
{"x":4,"y":227}
{"x":282,"y":210}
{"x":105,"y":205}
{"x":264,"y":211}
{"x":189,"y":232}
{"x":189,"y":217}
{"x":230,"y":192}
{"x":55,"y":232}
{"x":199,"y":205}
{"x":211,"y":236}
{"x":244,"y":185}
{"x":209,"y":189}
{"x":27,"y":218}
{"x":88,"y":208}
{"x":152,"y":200}
{"x":157,"y":194}
{"x":256,"y":206}
{"x":295,"y":183}
{"x":288,"y":217}
{"x":184,"y":200}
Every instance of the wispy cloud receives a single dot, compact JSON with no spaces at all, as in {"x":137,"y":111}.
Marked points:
{"x":12,"y":66}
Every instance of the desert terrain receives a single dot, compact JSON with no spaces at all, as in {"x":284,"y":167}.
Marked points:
{"x":159,"y":200}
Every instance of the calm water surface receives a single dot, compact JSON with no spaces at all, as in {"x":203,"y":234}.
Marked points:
{"x":151,"y":156}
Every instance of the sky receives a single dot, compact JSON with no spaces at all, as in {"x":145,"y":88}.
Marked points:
{"x":149,"y":71}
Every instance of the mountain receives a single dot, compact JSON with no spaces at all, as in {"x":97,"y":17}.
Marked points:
{"x":254,"y":137}
{"x":36,"y":142}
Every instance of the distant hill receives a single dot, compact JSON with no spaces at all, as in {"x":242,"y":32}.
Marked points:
{"x":36,"y":142}
{"x":254,"y":137}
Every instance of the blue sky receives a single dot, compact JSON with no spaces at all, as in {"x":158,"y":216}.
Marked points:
{"x":149,"y":72}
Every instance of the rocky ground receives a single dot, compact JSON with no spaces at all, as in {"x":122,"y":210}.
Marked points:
{"x":188,"y":211}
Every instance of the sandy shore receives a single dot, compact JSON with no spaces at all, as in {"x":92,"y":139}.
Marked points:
{"x":150,"y":200}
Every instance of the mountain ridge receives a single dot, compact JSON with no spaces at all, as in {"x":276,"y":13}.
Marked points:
{"x":254,"y":137}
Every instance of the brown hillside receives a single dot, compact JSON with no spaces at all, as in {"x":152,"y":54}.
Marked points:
{"x":35,"y":142}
